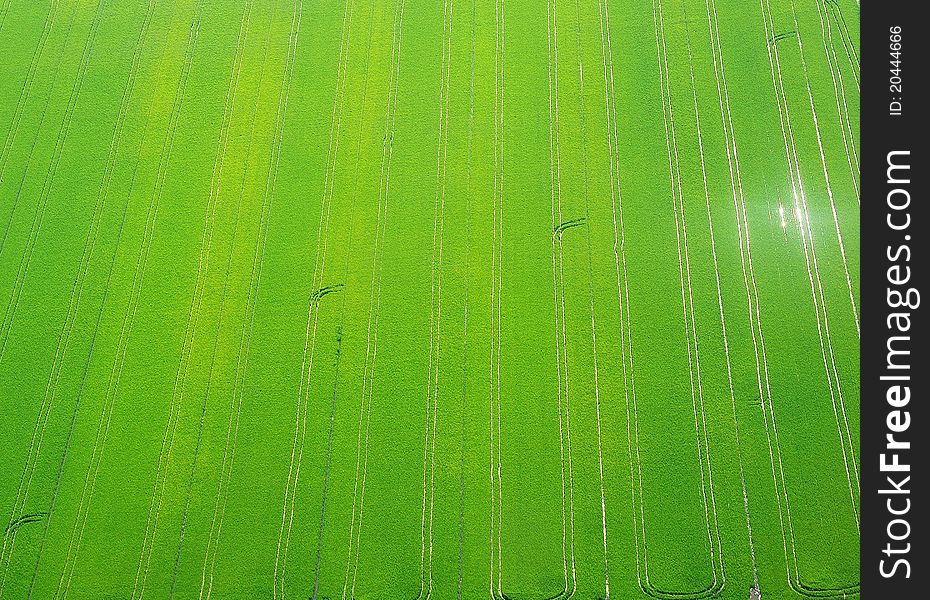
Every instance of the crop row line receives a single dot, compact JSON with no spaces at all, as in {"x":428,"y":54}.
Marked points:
{"x":24,"y":95}
{"x":300,"y":419}
{"x":74,"y":304}
{"x":496,"y":480}
{"x":730,"y":142}
{"x":817,"y":295}
{"x":591,"y":304}
{"x":347,"y":255}
{"x":229,"y":450}
{"x":708,"y":499}
{"x":839,"y":94}
{"x":374,"y":313}
{"x":222,"y":309}
{"x":436,"y":265}
{"x":468,"y":232}
{"x":167,"y":445}
{"x":29,"y":469}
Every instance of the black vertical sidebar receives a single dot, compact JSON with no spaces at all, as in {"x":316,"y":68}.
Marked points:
{"x":894,"y":368}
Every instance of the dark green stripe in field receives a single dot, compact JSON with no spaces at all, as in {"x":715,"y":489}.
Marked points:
{"x":461,"y":299}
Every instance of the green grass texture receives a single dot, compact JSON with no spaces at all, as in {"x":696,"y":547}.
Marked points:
{"x":445,"y":299}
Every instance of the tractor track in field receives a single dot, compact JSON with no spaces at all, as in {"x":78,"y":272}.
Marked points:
{"x":300,"y":419}
{"x":102,"y":433}
{"x":436,"y":266}
{"x":145,"y":246}
{"x":19,"y":281}
{"x":830,"y":195}
{"x":591,"y":303}
{"x":730,"y":144}
{"x":86,"y":255}
{"x":559,"y":225}
{"x":4,"y":10}
{"x":74,"y":302}
{"x":839,"y":93}
{"x":374,"y":312}
{"x":38,"y":436}
{"x":496,"y":478}
{"x":747,"y":268}
{"x":778,"y":473}
{"x":708,"y":497}
{"x":347,"y":270}
{"x":208,"y":469}
{"x":839,"y":238}
{"x":852,"y":56}
{"x":616,"y":207}
{"x":229,"y":451}
{"x":167,"y":444}
{"x":222,"y":310}
{"x":24,"y":96}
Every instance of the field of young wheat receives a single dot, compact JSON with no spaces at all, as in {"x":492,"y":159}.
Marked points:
{"x":409,"y":299}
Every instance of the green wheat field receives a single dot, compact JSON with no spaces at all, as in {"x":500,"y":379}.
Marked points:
{"x":429,"y":299}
